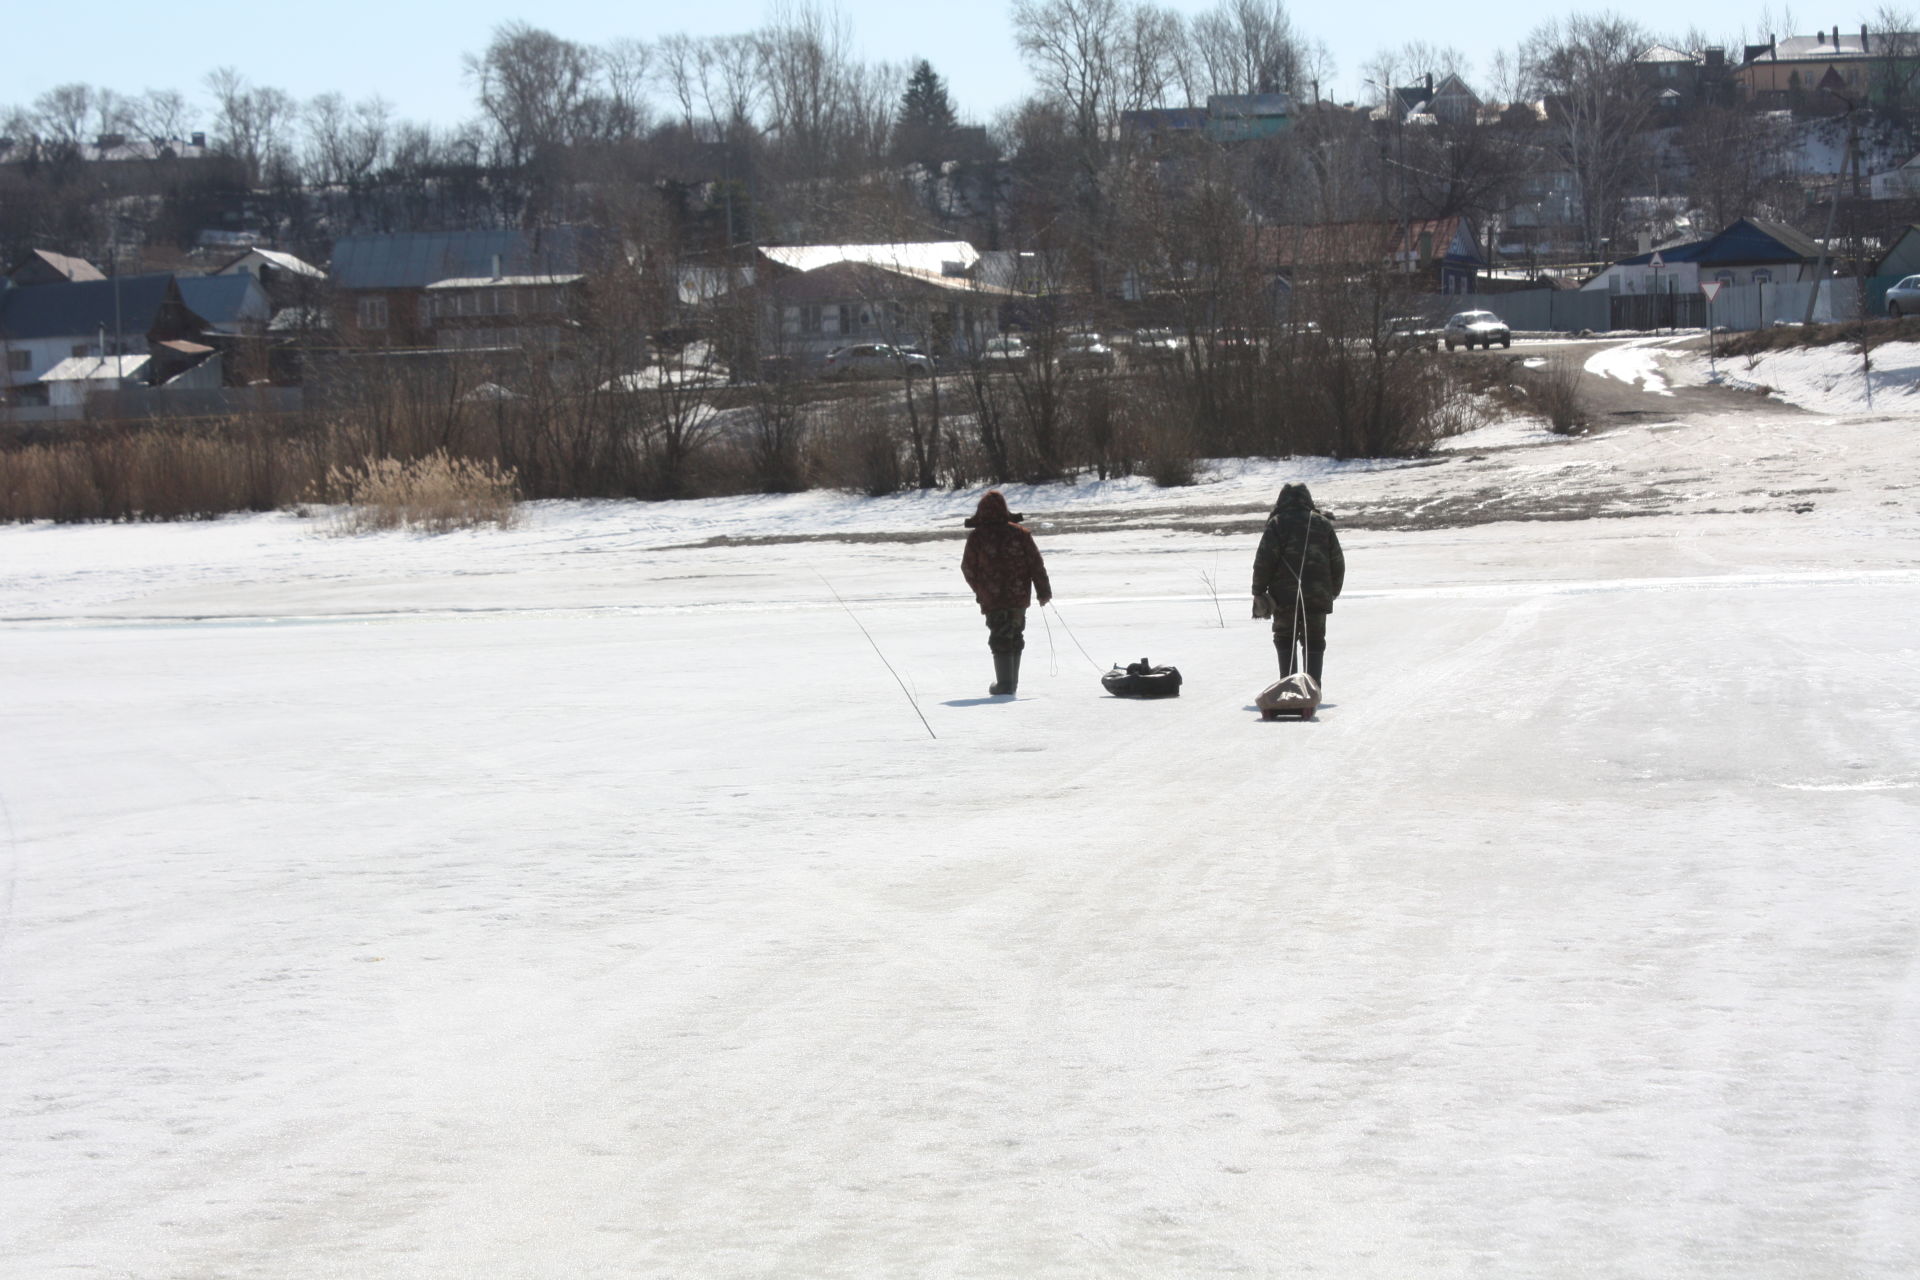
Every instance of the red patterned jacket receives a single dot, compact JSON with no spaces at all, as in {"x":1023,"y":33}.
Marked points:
{"x":1002,"y":564}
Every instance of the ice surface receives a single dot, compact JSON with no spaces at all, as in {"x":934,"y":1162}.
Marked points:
{"x":586,"y":900}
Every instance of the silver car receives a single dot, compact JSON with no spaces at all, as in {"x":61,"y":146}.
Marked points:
{"x":1904,"y":298}
{"x":1005,"y":353}
{"x":874,"y":360}
{"x":1085,"y":351}
{"x":1481,"y":328}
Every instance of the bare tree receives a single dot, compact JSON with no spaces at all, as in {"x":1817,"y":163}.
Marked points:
{"x":1894,"y":35}
{"x":61,"y":114}
{"x":1074,"y":48}
{"x":1251,"y":46}
{"x":1411,"y":63}
{"x":161,"y":115}
{"x":251,"y":121}
{"x":1583,"y":67}
{"x":531,"y":84}
{"x":345,"y":144}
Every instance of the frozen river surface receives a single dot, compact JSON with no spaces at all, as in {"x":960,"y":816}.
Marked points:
{"x":571,"y":903}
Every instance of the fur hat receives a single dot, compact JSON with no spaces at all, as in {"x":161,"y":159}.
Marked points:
{"x":992,"y":510}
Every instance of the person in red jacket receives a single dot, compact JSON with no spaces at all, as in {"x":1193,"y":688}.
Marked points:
{"x":1003,"y":566}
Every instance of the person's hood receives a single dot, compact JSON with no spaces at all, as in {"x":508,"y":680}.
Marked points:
{"x":992,"y":510}
{"x":1293,"y":497}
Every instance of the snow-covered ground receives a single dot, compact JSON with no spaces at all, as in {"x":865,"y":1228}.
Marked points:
{"x":587,"y":900}
{"x":1830,"y":379}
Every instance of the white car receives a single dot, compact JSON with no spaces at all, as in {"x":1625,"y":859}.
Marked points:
{"x":1084,"y":351}
{"x":1903,"y":299}
{"x":1004,"y":353}
{"x":874,"y":360}
{"x":1472,"y":328}
{"x":1155,"y":346}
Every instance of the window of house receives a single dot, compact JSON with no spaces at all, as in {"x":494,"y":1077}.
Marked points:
{"x":19,"y":361}
{"x":1762,"y":276}
{"x":371,"y":313}
{"x":80,"y":349}
{"x":1725,"y":277}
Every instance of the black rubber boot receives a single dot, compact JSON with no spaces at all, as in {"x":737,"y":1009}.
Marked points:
{"x":1011,"y":684}
{"x":1002,"y":675}
{"x":1285,"y":649}
{"x":1314,"y":659}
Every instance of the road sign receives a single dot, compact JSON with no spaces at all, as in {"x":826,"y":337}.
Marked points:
{"x":1712,"y":288}
{"x":1656,"y":260}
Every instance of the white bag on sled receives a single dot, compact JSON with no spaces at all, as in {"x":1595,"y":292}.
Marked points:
{"x":1296,"y":695}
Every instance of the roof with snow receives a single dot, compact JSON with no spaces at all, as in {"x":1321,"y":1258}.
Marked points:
{"x":839,"y":281}
{"x":1665,"y":53}
{"x":1829,"y":46}
{"x":415,"y":259}
{"x":502,"y":282}
{"x":96,"y":369}
{"x":925,"y":258}
{"x":44,"y":262}
{"x":273,"y":258}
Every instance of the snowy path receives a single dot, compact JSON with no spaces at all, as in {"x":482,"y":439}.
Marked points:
{"x":616,"y":917}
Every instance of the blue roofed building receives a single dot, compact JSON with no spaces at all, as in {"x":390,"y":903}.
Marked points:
{"x":45,"y":324}
{"x":1747,"y":252}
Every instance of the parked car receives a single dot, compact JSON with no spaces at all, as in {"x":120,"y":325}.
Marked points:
{"x":1155,"y":346}
{"x":874,"y":360}
{"x":1470,"y":327}
{"x":1005,"y":353}
{"x":1235,"y":345}
{"x":1411,"y":333}
{"x":1084,"y":351}
{"x":1903,"y":299}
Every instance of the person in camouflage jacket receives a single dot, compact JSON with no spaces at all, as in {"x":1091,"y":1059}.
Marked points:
{"x":1297,"y":573}
{"x":1003,"y":566}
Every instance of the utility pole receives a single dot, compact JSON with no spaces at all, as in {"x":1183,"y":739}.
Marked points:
{"x":1833,"y":207}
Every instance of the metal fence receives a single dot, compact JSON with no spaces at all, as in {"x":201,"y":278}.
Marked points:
{"x":1534,"y":310}
{"x":1747,"y":306}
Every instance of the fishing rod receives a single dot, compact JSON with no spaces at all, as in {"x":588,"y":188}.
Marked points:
{"x":876,"y":649}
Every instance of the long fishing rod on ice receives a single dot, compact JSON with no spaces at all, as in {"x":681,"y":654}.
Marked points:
{"x":876,"y":649}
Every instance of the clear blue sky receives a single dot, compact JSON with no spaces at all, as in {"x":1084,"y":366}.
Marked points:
{"x":409,"y":52}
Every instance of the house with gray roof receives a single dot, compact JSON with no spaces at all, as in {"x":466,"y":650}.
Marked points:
{"x":498,"y":288}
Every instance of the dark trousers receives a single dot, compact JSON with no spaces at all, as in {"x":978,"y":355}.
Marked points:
{"x":1285,"y":640}
{"x":1006,"y":630}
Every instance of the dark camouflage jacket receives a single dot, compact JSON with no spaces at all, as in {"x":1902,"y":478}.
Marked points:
{"x":1002,"y":564}
{"x":1299,"y":551}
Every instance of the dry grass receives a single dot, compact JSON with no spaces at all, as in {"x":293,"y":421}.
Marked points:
{"x":1867,"y":332}
{"x":435,"y":494}
{"x":1554,"y":395}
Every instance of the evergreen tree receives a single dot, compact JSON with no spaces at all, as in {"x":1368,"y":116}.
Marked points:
{"x":926,"y":122}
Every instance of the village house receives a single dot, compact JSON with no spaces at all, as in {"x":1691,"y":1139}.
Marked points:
{"x":1828,"y":68}
{"x":459,"y":289}
{"x":1747,"y":252}
{"x":61,"y":343}
{"x":1437,"y":255}
{"x":924,"y":295}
